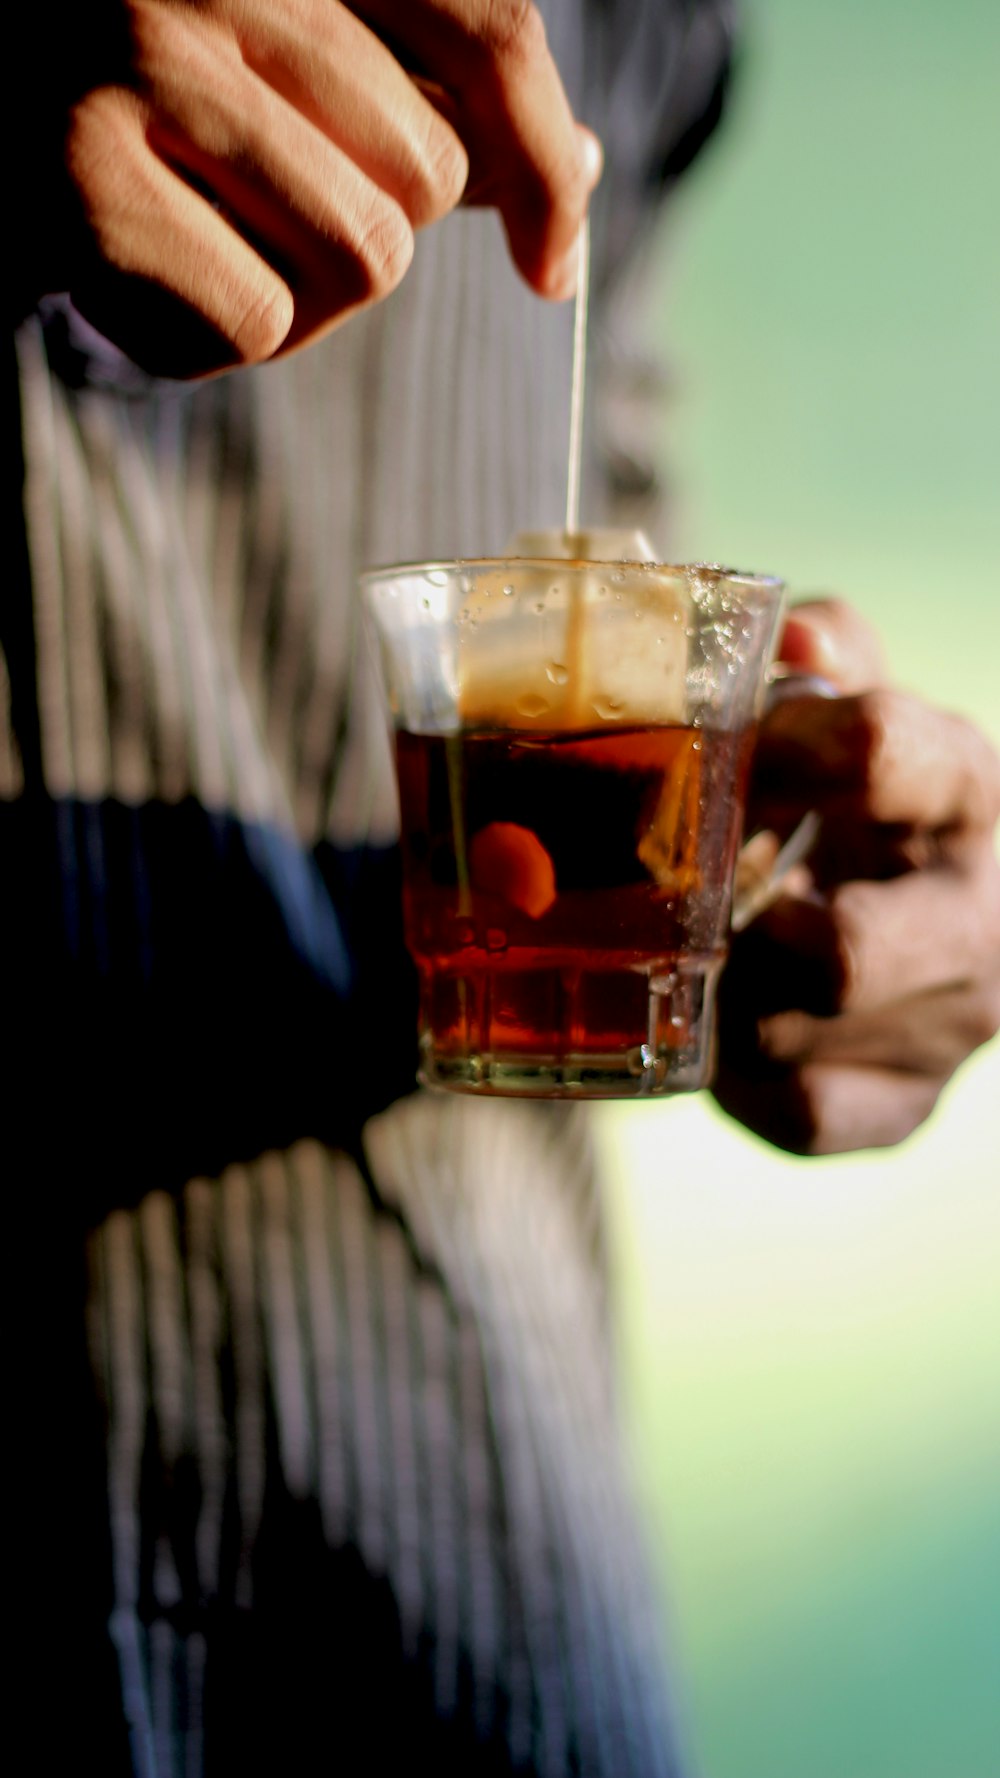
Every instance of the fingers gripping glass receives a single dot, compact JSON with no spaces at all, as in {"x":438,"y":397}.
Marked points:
{"x":758,"y":884}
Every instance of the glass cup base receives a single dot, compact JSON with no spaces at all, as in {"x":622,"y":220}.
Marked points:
{"x":637,"y":1075}
{"x":677,"y":1054}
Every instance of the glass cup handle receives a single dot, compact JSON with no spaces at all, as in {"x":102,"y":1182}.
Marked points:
{"x":757,"y":892}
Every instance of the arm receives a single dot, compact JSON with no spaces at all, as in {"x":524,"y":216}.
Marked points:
{"x":851,"y":1001}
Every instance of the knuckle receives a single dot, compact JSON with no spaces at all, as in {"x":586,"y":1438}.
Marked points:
{"x":987,"y":939}
{"x":154,"y":31}
{"x":804,"y":1128}
{"x":440,"y":177}
{"x":512,"y":29}
{"x":450,"y":164}
{"x":166,"y":42}
{"x":835,"y":610}
{"x":976,"y":900}
{"x":889,"y":735}
{"x":99,"y":126}
{"x":985,"y":763}
{"x":913,"y":1106}
{"x":841,"y":1110}
{"x":107,"y":166}
{"x":976,"y":766}
{"x":853,"y":910}
{"x":384,"y":248}
{"x":788,"y":1039}
{"x":84,"y":131}
{"x":856,"y":644}
{"x":264,"y":324}
{"x":991,"y":899}
{"x":190,"y":68}
{"x":876,"y":715}
{"x":982,"y":1017}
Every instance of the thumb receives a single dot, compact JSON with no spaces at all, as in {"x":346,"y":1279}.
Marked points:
{"x":829,"y":638}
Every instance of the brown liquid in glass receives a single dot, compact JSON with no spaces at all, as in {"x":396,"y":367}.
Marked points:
{"x":553,"y":878}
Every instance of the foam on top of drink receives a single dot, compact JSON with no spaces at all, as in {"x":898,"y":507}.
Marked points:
{"x":605,"y":543}
{"x":573,"y":648}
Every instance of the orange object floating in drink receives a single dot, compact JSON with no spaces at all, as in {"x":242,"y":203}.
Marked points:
{"x":510,"y":861}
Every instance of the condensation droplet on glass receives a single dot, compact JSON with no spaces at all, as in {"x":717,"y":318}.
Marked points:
{"x":556,"y":672}
{"x":425,"y":604}
{"x":531,"y":704}
{"x":496,"y":938}
{"x":436,"y":577}
{"x":539,"y":606}
{"x":508,"y":591}
{"x":608,"y":709}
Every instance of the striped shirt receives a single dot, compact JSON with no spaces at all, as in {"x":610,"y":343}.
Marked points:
{"x":326,"y":1362}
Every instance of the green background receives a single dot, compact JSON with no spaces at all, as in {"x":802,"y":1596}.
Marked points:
{"x":813,"y":1348}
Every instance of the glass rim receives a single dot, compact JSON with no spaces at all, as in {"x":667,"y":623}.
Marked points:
{"x":447,"y":565}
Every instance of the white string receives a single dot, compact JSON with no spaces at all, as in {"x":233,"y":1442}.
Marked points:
{"x":579,"y":372}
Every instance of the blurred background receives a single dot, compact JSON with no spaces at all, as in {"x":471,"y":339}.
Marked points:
{"x":813,"y":1348}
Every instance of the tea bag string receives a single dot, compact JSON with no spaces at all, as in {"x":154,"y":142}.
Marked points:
{"x":579,"y":375}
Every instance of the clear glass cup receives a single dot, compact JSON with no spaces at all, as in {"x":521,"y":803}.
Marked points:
{"x":572,"y":744}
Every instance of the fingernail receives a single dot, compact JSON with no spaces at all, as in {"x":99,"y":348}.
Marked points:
{"x":562,"y":280}
{"x":825,"y":636}
{"x":593,"y":155}
{"x":808,"y":644}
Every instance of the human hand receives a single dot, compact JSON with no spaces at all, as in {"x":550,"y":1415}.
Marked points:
{"x":217,"y":180}
{"x":848,"y":1004}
